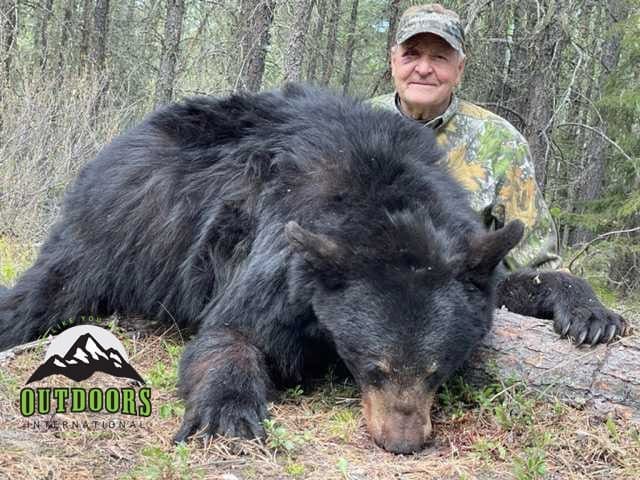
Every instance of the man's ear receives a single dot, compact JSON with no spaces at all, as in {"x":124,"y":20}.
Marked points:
{"x":488,"y":249}
{"x":392,"y":53}
{"x":462,"y":62}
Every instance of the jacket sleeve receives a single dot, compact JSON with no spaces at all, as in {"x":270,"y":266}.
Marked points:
{"x":518,"y":196}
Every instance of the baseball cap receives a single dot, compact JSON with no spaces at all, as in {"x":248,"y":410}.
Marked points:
{"x":431,"y":18}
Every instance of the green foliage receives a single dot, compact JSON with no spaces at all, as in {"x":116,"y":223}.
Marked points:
{"x":14,"y":259}
{"x":531,"y":465}
{"x":162,"y":376}
{"x":514,"y":412}
{"x":489,"y":450}
{"x":165,"y":376}
{"x":507,"y":402}
{"x":456,"y":396}
{"x":174,"y":350}
{"x":281,"y":440}
{"x":171,"y":409}
{"x":160,"y":464}
{"x":295,"y":469}
{"x":344,"y":423}
{"x":343,"y":467}
{"x":612,"y":428}
{"x":332,"y":390}
{"x":9,"y":384}
{"x":294,"y":394}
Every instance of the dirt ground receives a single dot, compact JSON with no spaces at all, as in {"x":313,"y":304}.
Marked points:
{"x":315,"y":435}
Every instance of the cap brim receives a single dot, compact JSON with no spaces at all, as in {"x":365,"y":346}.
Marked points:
{"x":442,"y":34}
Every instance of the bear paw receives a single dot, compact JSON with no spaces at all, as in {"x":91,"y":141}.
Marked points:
{"x":586,"y":324}
{"x":235,"y":419}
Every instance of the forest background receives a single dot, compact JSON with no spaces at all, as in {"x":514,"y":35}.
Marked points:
{"x":74,"y":73}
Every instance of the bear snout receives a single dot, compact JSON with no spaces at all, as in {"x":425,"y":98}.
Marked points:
{"x":398,"y":419}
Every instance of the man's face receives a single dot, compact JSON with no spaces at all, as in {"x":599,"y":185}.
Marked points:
{"x":425,"y":71}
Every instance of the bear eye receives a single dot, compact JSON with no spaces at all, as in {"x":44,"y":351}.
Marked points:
{"x":477,"y":285}
{"x":432,"y":368}
{"x":376,"y":376}
{"x":472,"y":283}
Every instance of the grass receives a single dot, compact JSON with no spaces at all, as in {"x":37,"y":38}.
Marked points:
{"x":15,"y":258}
{"x":46,"y":138}
{"x":158,"y":464}
{"x":320,"y":433}
{"x":497,"y":431}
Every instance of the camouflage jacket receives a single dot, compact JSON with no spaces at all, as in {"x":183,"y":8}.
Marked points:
{"x":491,"y":159}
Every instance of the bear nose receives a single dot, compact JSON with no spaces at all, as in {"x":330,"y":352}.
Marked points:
{"x":404,"y":431}
{"x":398,"y":417}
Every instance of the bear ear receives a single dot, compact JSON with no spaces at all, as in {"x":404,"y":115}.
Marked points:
{"x":488,"y":249}
{"x":258,"y":167}
{"x":317,"y":249}
{"x":292,"y":89}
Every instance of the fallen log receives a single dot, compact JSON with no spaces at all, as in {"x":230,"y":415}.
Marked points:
{"x":605,"y":377}
{"x":10,"y":354}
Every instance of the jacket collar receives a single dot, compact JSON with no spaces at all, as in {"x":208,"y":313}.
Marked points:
{"x":441,"y":120}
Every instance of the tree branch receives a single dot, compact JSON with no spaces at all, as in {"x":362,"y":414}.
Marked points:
{"x":599,"y":237}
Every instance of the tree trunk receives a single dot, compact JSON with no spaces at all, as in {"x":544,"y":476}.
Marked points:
{"x":385,"y":78}
{"x":498,"y":56}
{"x":317,"y":35}
{"x":580,"y":110}
{"x":394,"y":16}
{"x":40,"y":33}
{"x":254,"y":39}
{"x":86,"y":31}
{"x":295,"y":47}
{"x":606,"y":377}
{"x":66,"y":26}
{"x":592,"y":175}
{"x":332,"y":35}
{"x":543,"y":64}
{"x":8,"y":25}
{"x":351,"y":44}
{"x":101,"y":22}
{"x":170,"y":52}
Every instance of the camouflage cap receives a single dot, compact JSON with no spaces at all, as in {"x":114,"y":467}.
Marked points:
{"x":431,"y":18}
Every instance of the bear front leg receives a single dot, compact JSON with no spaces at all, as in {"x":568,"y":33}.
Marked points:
{"x":568,"y":300}
{"x":225,"y":384}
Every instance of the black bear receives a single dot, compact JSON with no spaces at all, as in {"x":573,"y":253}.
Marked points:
{"x":283,"y":227}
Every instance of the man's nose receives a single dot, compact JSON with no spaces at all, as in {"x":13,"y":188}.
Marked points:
{"x":424,"y":66}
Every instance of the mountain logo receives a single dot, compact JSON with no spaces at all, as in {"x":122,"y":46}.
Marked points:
{"x":80,"y":351}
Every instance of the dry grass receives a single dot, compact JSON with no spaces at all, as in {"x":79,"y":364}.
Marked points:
{"x":50,"y":127}
{"x":316,"y":435}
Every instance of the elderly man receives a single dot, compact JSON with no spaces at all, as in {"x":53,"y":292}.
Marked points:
{"x":487,"y":155}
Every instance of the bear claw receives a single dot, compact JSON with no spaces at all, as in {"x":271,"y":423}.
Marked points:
{"x":231,"y":422}
{"x":596,"y":337}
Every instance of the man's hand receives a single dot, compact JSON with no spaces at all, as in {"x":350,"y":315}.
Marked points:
{"x":568,"y":300}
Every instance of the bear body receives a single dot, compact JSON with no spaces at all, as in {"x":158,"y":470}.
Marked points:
{"x":270,"y":224}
